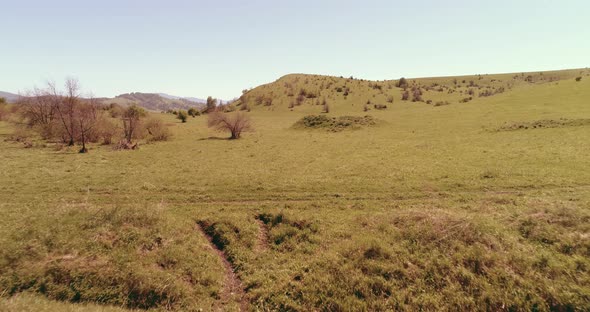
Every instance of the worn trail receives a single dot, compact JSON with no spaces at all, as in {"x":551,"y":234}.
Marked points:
{"x":233,"y":291}
{"x":262,"y":240}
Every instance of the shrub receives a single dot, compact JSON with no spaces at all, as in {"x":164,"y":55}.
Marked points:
{"x":106,"y":130}
{"x":267,"y":101}
{"x":326,"y":107}
{"x":235,"y":124}
{"x":299,"y":100}
{"x":4,"y":112}
{"x":193,"y":112}
{"x":227,"y":108}
{"x":405,"y":95}
{"x":402,"y":83}
{"x":486,"y":93}
{"x":417,"y":95}
{"x":182,"y":115}
{"x":441,"y":103}
{"x":157,"y":130}
{"x":334,"y":123}
{"x":390,"y":99}
{"x":244,"y":107}
{"x":115,"y":110}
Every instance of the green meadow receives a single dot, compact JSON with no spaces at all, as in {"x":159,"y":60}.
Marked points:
{"x":441,"y":204}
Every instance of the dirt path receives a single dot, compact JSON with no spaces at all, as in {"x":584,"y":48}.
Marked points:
{"x":233,"y":290}
{"x":262,"y":241}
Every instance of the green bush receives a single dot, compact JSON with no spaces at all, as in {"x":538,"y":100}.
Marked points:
{"x":182,"y":115}
{"x":193,"y":112}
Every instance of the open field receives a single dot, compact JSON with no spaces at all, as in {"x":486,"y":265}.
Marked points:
{"x":476,"y":205}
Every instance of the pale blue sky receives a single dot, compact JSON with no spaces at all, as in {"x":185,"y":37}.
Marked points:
{"x":200,"y":48}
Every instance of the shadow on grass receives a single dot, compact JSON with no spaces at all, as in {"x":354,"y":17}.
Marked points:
{"x":211,"y":138}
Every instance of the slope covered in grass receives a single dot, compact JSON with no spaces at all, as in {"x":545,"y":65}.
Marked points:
{"x":433,"y":208}
{"x":307,"y":93}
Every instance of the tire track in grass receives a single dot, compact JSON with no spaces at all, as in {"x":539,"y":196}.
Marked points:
{"x":262,"y":239}
{"x":233,"y":290}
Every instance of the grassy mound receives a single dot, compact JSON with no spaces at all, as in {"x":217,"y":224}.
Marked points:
{"x":546,"y":123}
{"x":334,"y":123}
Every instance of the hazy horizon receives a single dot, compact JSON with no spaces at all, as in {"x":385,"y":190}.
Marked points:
{"x":202,"y":48}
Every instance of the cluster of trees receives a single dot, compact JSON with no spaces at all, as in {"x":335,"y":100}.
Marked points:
{"x":67,"y":117}
{"x":217,"y":118}
{"x":183,"y":115}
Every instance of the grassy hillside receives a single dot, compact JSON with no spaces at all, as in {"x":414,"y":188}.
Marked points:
{"x":478,"y":205}
{"x":307,"y":92}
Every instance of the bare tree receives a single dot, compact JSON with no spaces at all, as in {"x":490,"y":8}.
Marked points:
{"x":37,"y":107}
{"x":66,"y":106}
{"x":131,"y":119}
{"x":86,"y":117}
{"x":234,"y":123}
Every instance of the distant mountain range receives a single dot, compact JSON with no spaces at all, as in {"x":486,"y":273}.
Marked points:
{"x":154,"y":101}
{"x":149,"y":101}
{"x":174,"y":97}
{"x":10,"y":97}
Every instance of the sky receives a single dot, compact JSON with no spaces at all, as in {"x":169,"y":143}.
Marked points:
{"x":218,"y":48}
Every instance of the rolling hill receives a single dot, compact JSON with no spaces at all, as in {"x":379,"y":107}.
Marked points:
{"x":174,"y":97}
{"x":306,"y":93}
{"x":153,"y":101}
{"x":10,"y":97}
